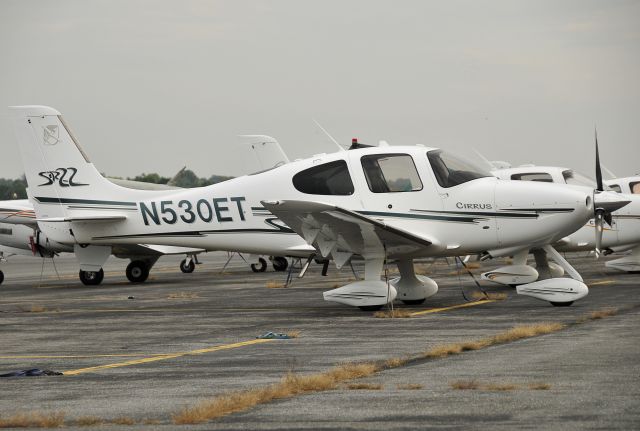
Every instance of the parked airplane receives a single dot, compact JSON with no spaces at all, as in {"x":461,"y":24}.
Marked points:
{"x":380,"y":203}
{"x":621,"y":233}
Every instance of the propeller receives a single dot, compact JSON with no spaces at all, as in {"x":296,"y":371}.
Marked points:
{"x":604,"y":203}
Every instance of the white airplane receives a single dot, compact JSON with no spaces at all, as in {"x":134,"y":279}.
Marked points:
{"x":631,"y":262}
{"x":380,"y":204}
{"x":622,"y":232}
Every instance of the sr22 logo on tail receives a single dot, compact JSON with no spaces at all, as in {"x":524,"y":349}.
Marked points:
{"x":64,"y":176}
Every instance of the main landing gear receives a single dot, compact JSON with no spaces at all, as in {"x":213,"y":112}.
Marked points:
{"x":280,"y":264}
{"x":137,"y":271}
{"x":91,"y":278}
{"x":187,"y":266}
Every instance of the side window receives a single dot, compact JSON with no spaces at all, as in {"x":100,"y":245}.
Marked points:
{"x":386,"y":173}
{"x":5,"y":231}
{"x":616,"y":188}
{"x":541,"y":177}
{"x":635,"y":187}
{"x":328,"y":179}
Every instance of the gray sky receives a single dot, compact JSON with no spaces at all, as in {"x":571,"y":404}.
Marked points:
{"x":155,"y":85}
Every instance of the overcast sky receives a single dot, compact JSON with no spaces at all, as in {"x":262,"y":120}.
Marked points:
{"x":150,"y":86}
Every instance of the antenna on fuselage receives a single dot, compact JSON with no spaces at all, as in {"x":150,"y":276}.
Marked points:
{"x":331,"y":138}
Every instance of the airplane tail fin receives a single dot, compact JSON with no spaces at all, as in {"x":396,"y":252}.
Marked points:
{"x":58,"y":171}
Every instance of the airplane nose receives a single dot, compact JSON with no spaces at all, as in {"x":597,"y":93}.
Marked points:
{"x":553,"y":210}
{"x":543,"y":197}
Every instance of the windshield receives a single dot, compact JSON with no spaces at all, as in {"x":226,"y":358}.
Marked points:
{"x":451,"y":170}
{"x":576,"y":179}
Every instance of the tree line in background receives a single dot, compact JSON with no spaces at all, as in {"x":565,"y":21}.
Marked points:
{"x":16,"y":189}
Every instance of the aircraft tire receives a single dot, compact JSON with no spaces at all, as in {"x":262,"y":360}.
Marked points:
{"x":1,"y":277}
{"x":91,"y":278}
{"x":371,"y":307}
{"x":262,"y":266}
{"x":561,"y":304}
{"x":137,"y":271}
{"x":280,"y":263}
{"x":187,"y":269}
{"x":414,"y":301}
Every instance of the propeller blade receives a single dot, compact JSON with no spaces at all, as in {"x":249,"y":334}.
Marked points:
{"x":598,"y":169}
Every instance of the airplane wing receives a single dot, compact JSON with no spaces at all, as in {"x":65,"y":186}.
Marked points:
{"x":341,"y":233}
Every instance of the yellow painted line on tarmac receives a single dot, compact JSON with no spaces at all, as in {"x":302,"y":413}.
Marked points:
{"x":453,"y":307}
{"x":163,"y":357}
{"x":601,"y":282}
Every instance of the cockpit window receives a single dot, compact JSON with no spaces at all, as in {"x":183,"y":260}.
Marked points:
{"x":576,"y":179}
{"x":635,"y":187}
{"x":386,"y":173}
{"x":328,"y":179}
{"x":541,"y":177}
{"x":616,"y":188}
{"x":451,"y":170}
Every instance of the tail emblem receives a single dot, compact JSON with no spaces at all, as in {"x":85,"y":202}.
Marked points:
{"x":64,"y":176}
{"x":51,"y":135}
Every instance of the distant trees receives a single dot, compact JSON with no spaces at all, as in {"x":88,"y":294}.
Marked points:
{"x":13,"y":189}
{"x":186,"y":178}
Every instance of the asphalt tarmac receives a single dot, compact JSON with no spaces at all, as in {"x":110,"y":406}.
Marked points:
{"x":145,"y":351}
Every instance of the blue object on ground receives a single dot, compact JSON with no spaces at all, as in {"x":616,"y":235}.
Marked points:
{"x":273,"y":336}
{"x":33,"y":372}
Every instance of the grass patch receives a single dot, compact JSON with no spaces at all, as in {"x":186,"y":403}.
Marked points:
{"x":494,"y":296}
{"x":33,"y":420}
{"x":293,"y":334}
{"x":473,"y":265}
{"x":499,"y":387}
{"x":182,"y":295}
{"x":276,"y":285}
{"x":87,"y":421}
{"x":601,"y":314}
{"x":151,"y":422}
{"x":123,"y":420}
{"x":539,"y":386}
{"x":395,"y":362}
{"x":464,"y":385}
{"x":513,"y":334}
{"x":36,"y":309}
{"x":410,"y":386}
{"x":365,"y":386}
{"x":396,"y":313}
{"x":291,"y":384}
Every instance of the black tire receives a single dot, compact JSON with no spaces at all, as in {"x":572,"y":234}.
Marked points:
{"x":91,"y":278}
{"x":137,"y":271}
{"x":262,"y":266}
{"x":371,"y":307}
{"x":414,"y":301}
{"x":280,"y":263}
{"x":561,"y":304}
{"x":1,"y":277}
{"x":187,"y":269}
